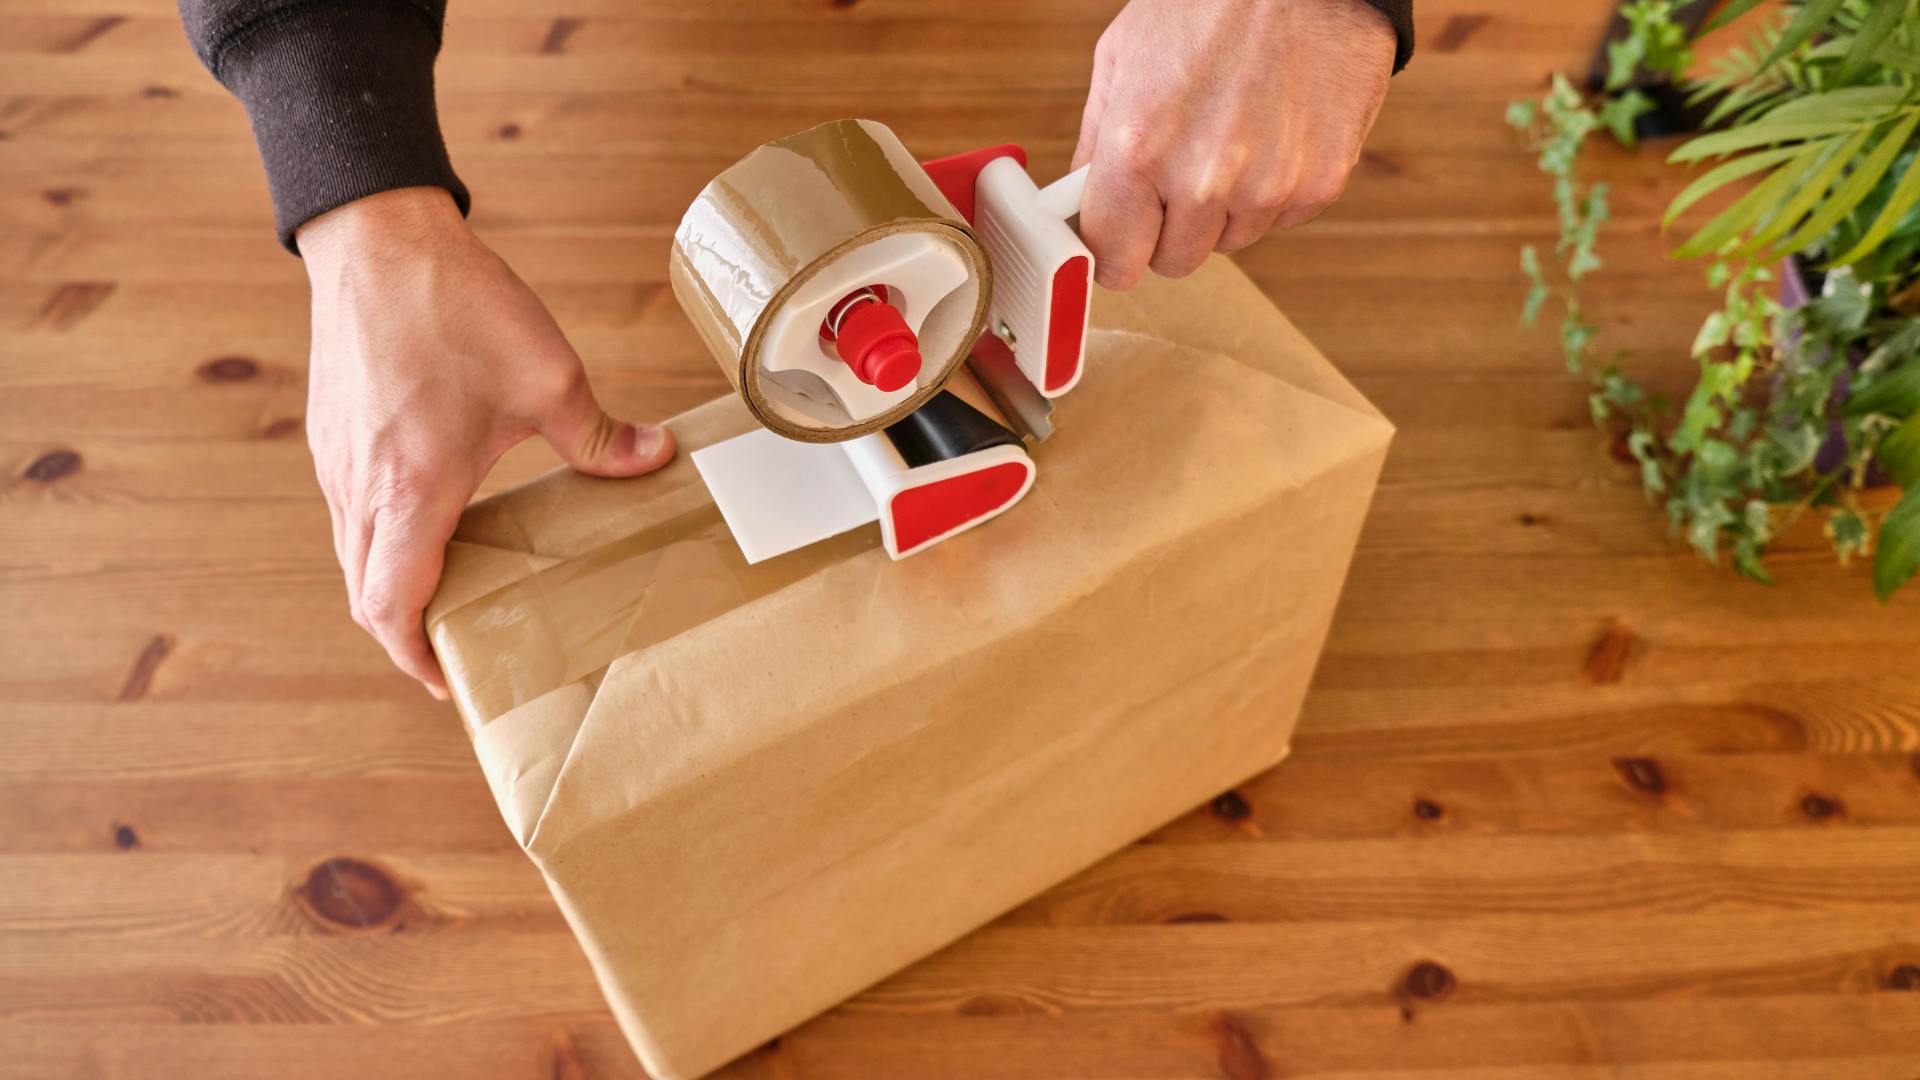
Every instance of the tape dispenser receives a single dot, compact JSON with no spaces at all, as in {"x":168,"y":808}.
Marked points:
{"x":900,"y":329}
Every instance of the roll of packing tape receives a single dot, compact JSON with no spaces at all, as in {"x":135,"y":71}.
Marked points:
{"x":774,"y":242}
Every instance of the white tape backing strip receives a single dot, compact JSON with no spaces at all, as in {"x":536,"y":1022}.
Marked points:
{"x":779,"y":495}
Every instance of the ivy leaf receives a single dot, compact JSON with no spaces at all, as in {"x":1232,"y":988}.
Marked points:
{"x":1537,"y":293}
{"x":1641,"y":444}
{"x":1713,"y":333}
{"x":1623,"y":60}
{"x":1575,"y":333}
{"x":1746,"y":558}
{"x":1520,"y":114}
{"x":1716,"y":458}
{"x":1848,"y":532}
{"x":1797,"y":447}
{"x":1619,"y":114}
{"x":1897,"y":554}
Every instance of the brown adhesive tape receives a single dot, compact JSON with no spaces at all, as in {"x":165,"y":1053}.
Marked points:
{"x":761,"y":229}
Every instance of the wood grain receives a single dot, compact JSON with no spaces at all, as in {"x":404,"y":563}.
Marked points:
{"x":1565,"y":801}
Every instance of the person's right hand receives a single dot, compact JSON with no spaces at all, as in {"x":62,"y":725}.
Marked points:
{"x":430,"y":359}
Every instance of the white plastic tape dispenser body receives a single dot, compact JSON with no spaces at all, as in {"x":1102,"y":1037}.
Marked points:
{"x":858,"y":332}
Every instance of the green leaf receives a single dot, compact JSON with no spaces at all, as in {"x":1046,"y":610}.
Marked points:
{"x":1713,"y":333}
{"x":1875,"y":30}
{"x":1894,"y":55}
{"x":1623,"y":60}
{"x":1758,"y":133}
{"x":1727,"y":14}
{"x":1857,"y":186}
{"x":1520,"y":114}
{"x":1813,"y":17}
{"x":1721,"y":175}
{"x":1619,"y":114}
{"x":1530,"y":311}
{"x":1642,"y":445}
{"x":1905,"y":194}
{"x":1896,"y":393}
{"x":1899,"y":453}
{"x":1848,"y":531}
{"x":1810,"y":191}
{"x":1898,"y":554}
{"x":1797,"y":445}
{"x":1736,"y":218}
{"x":1847,"y":103}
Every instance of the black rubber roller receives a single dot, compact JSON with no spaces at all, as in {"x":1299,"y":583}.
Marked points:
{"x":946,"y":428}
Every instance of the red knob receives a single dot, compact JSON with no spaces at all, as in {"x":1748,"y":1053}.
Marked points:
{"x":877,"y":344}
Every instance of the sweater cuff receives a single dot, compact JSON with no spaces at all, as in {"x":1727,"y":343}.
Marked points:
{"x":1400,"y":14}
{"x":341,"y":101}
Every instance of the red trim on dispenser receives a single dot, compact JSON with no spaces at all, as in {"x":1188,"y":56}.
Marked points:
{"x":1067,"y":321}
{"x":956,"y":175}
{"x":922,"y":513}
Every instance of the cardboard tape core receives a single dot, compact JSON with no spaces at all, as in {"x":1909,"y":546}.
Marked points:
{"x":793,"y":227}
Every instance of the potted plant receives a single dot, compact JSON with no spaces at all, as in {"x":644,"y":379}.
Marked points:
{"x":1808,"y":399}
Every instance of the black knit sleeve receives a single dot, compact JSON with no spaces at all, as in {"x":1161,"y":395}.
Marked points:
{"x":1400,"y":14}
{"x":340,"y":94}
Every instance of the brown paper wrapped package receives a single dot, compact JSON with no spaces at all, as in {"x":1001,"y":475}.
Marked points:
{"x":756,"y":790}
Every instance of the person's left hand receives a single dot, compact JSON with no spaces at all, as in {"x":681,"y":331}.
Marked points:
{"x":1211,"y":122}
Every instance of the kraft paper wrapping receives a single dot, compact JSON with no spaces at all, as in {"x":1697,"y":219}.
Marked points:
{"x":772,"y":220}
{"x":755,"y":791}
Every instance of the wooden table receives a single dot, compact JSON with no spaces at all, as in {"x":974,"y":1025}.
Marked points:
{"x":1566,"y":801}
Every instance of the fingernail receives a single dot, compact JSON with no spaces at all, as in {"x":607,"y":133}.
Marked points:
{"x":437,"y":693}
{"x":651,"y":442}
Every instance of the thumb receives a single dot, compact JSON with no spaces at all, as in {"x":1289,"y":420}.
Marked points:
{"x":597,"y":444}
{"x":1095,"y":110}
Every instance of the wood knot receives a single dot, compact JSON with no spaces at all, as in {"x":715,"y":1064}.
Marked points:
{"x":125,"y":838}
{"x":1642,"y":774}
{"x":53,"y":465}
{"x":1607,"y":658}
{"x":993,"y":1004}
{"x":140,"y":675}
{"x":1196,"y":917}
{"x":563,"y":1058}
{"x":1904,"y":977}
{"x":1428,"y":810}
{"x":229,"y":369}
{"x":1821,"y":807}
{"x":1458,"y":29}
{"x":63,"y":196}
{"x":1428,"y":981}
{"x":1239,"y":1054}
{"x":283,"y":427}
{"x":1230,"y":806}
{"x":508,"y":131}
{"x":1533,"y":519}
{"x":1381,"y":163}
{"x":159,"y":92}
{"x":350,"y":893}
